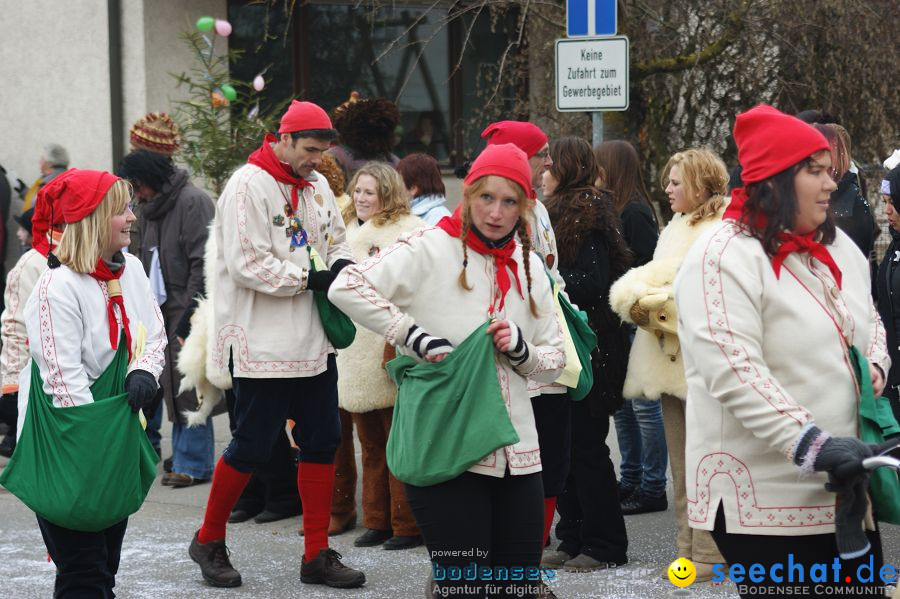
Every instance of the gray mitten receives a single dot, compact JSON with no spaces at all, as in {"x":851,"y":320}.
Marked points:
{"x":852,"y":541}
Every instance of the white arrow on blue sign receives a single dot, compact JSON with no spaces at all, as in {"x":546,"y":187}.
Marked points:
{"x":591,"y":17}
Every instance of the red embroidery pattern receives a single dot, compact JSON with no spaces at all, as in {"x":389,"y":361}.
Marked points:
{"x":750,"y":513}
{"x":233,"y":336}
{"x":54,"y":378}
{"x":747,"y":372}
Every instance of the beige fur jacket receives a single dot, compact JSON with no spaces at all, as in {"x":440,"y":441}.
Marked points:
{"x":655,"y":365}
{"x":363,"y":383}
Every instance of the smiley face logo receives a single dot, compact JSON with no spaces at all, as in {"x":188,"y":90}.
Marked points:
{"x":682,"y":572}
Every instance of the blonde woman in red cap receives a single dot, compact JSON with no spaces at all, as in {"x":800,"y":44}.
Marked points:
{"x":775,"y":317}
{"x":275,"y":214}
{"x":92,"y":324}
{"x":426,"y":295}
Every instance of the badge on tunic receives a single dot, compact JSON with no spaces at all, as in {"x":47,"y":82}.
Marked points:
{"x":373,"y":250}
{"x":319,"y":199}
{"x":550,"y":260}
{"x":278,"y":220}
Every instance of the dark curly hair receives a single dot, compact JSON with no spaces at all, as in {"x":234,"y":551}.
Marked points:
{"x":367,"y":126}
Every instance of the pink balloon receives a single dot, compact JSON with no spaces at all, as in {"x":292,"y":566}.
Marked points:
{"x":259,"y":83}
{"x":223,"y":27}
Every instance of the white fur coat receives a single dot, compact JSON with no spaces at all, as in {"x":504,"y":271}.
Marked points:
{"x":653,"y":369}
{"x":192,"y":357}
{"x":363,"y":383}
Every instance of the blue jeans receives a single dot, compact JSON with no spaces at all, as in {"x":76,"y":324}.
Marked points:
{"x":642,"y":443}
{"x":193,"y":449}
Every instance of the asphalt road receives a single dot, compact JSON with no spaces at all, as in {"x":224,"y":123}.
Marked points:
{"x":155,"y":562}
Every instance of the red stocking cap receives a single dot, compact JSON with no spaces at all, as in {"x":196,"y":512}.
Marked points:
{"x":40,"y":222}
{"x":770,"y":141}
{"x":76,"y":193}
{"x":504,"y":160}
{"x":527,"y":137}
{"x":301,"y":116}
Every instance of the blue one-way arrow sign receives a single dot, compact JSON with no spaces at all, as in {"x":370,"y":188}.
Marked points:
{"x":590,"y":17}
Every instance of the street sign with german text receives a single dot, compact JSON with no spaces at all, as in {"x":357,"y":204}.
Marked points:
{"x":592,"y":74}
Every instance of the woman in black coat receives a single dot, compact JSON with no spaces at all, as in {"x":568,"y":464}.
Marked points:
{"x":592,"y":255}
{"x":887,"y":285}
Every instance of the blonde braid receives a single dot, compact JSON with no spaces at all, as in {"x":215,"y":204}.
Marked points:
{"x":522,"y":230}
{"x":462,"y":237}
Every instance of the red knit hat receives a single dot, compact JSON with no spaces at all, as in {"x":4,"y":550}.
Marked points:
{"x":301,"y":116}
{"x":75,"y":193}
{"x":527,"y":137}
{"x":769,"y":141}
{"x":156,"y":132}
{"x":503,"y":160}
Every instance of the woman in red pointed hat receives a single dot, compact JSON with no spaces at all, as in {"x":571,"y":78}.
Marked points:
{"x":95,"y":333}
{"x":777,"y":329}
{"x":427,"y":295}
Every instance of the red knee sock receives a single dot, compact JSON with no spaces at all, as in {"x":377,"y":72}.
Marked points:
{"x":316,"y":484}
{"x":227,"y":486}
{"x":549,"y":508}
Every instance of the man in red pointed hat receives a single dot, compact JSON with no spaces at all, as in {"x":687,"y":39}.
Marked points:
{"x":274,"y":215}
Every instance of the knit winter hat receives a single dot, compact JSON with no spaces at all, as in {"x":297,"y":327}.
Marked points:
{"x":301,"y":116}
{"x":156,"y":132}
{"x":77,"y":192}
{"x":526,"y":136}
{"x":770,"y":141}
{"x":503,"y":160}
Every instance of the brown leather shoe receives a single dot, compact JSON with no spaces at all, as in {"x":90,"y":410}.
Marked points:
{"x":327,"y":569}
{"x":178,"y":480}
{"x":341,"y":523}
{"x":214,"y":563}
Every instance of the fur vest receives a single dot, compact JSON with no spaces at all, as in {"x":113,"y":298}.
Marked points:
{"x":363,"y":383}
{"x":655,"y":365}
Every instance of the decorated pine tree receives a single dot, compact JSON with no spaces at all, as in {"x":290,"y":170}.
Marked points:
{"x":221,"y":122}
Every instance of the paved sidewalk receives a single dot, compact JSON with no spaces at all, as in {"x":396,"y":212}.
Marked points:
{"x":155,"y":563}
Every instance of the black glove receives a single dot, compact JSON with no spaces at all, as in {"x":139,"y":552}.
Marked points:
{"x":842,"y":458}
{"x":141,"y":387}
{"x":426,"y":345}
{"x":339,"y":265}
{"x":320,"y":280}
{"x":21,"y":188}
{"x":518,"y":349}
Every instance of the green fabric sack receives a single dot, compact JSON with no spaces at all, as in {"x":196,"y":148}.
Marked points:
{"x":339,"y":329}
{"x":85,"y":467}
{"x":448,"y":415}
{"x":876,"y":424}
{"x":585,"y":341}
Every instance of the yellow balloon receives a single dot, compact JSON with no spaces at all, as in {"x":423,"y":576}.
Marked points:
{"x":682,"y":572}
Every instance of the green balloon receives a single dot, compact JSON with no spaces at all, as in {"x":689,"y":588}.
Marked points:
{"x":229,"y":92}
{"x":206,"y":23}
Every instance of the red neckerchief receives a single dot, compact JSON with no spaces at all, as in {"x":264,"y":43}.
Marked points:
{"x":790,"y":242}
{"x":266,"y":159}
{"x":452,"y":225}
{"x":114,"y":292}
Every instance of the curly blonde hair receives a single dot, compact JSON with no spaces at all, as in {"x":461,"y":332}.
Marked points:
{"x":702,"y":174}
{"x":391,"y":193}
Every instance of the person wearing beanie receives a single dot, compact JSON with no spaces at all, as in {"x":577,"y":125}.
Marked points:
{"x":887,"y":285}
{"x":155,"y":132}
{"x":19,"y":284}
{"x":173,"y":229}
{"x":275,"y":213}
{"x":549,"y":400}
{"x":778,"y":333}
{"x":95,"y":335}
{"x":486,"y":509}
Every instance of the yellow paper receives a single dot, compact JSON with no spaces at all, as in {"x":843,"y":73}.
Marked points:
{"x":317,"y":260}
{"x":139,"y":342}
{"x":572,"y":372}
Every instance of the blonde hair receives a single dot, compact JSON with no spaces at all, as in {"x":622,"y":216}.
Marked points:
{"x":83,"y":242}
{"x":391,"y":193}
{"x":702,"y":173}
{"x":472,"y":190}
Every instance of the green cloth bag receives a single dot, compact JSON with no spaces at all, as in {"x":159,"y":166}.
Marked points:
{"x":448,"y":414}
{"x":585,"y":341}
{"x":876,"y":423}
{"x":339,"y":329}
{"x":85,"y":467}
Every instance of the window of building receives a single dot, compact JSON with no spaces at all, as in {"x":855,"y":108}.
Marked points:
{"x":404,"y":52}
